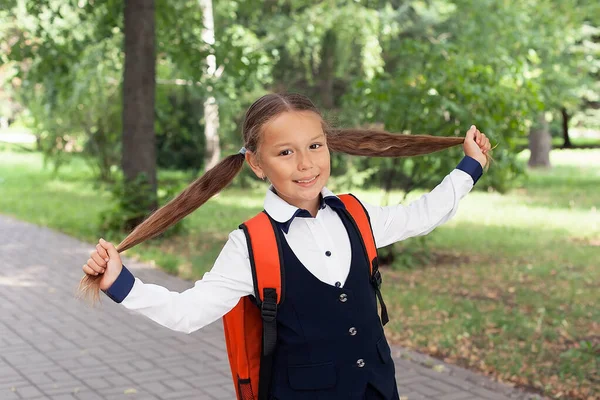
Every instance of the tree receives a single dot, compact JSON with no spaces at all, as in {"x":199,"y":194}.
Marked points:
{"x":540,"y":143}
{"x":139,"y":153}
{"x":211,"y":108}
{"x":561,"y":63}
{"x":67,"y":64}
{"x":565,"y":128}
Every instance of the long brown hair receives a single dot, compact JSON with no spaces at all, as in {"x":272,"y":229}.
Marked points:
{"x":360,"y":142}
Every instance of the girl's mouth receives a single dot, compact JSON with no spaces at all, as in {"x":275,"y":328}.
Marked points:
{"x":307,"y":182}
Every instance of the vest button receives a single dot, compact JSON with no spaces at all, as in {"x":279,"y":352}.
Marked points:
{"x":343,"y":297}
{"x":328,"y":253}
{"x":360,"y":363}
{"x":352,"y":331}
{"x":338,"y":284}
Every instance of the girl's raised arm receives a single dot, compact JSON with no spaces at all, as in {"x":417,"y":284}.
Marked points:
{"x":395,"y":223}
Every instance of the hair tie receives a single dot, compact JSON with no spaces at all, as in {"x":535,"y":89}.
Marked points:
{"x":243,"y":151}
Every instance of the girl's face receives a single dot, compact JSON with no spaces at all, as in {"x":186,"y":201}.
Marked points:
{"x":294,"y":157}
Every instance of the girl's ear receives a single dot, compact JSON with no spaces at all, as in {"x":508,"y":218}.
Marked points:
{"x":252,"y":160}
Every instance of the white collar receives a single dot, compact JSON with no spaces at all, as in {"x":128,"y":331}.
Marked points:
{"x":284,"y":213}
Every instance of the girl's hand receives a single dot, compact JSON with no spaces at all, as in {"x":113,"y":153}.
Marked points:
{"x":476,"y":145}
{"x":104,"y":261}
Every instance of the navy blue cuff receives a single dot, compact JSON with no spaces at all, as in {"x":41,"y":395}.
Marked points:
{"x":121,"y":287}
{"x":472,"y":167}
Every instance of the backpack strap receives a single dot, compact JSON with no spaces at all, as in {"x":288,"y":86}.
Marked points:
{"x":359,"y":216}
{"x":266,"y":261}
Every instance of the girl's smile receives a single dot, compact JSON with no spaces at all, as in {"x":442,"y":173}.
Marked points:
{"x":307,"y":182}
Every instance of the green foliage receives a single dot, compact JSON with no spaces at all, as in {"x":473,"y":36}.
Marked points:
{"x":449,"y":72}
{"x":419,"y":67}
{"x":69,"y":63}
{"x":180,"y":140}
{"x":347,"y":175}
{"x":68,"y":66}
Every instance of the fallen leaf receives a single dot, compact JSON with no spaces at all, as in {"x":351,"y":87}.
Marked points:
{"x":439,"y":368}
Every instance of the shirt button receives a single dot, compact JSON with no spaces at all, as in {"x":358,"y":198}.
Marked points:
{"x":352,"y":331}
{"x":360,"y":363}
{"x":338,"y":284}
{"x":328,"y":253}
{"x":343,"y":297}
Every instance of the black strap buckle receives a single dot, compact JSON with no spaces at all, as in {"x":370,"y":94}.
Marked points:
{"x":376,"y":279}
{"x":268,"y":307}
{"x":268,"y":311}
{"x":375,"y":274}
{"x":376,"y":282}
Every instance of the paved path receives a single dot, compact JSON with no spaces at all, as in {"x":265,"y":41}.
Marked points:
{"x":53,"y":346}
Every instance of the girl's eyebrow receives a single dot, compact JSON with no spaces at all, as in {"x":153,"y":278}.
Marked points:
{"x":320,"y":135}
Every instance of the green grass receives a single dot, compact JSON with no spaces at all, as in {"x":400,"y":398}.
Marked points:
{"x":513,"y":288}
{"x":68,"y":201}
{"x":517,"y":293}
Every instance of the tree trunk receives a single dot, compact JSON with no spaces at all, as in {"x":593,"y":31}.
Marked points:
{"x":565,"y":125}
{"x":139,"y":151}
{"x":211,"y":133}
{"x":327,"y":70}
{"x":540,"y":144}
{"x":211,"y":108}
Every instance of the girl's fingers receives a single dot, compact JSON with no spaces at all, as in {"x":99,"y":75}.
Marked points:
{"x":92,"y":264}
{"x":102,"y":252}
{"x":470,"y":133}
{"x":482,"y":140}
{"x":109,"y":247}
{"x":86,"y":268}
{"x":96,"y":257}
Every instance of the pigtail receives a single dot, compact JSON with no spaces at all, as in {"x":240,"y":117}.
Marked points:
{"x":373,"y":143}
{"x":196,"y":194}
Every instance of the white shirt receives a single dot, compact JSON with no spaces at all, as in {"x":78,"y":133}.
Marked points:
{"x":230,"y":278}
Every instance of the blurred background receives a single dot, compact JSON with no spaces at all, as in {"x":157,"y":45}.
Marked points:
{"x":110,"y":108}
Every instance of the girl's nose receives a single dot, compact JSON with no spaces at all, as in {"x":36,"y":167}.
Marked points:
{"x":304,"y":162}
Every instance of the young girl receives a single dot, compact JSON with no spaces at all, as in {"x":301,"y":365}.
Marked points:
{"x":287,"y":142}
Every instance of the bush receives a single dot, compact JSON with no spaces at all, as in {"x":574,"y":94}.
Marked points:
{"x":180,"y":142}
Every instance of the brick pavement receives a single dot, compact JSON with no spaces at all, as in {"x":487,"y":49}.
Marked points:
{"x":53,"y":346}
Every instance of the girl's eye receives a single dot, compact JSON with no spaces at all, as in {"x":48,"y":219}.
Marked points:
{"x":313,"y":146}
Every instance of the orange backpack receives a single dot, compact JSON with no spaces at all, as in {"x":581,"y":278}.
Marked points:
{"x":251,"y":331}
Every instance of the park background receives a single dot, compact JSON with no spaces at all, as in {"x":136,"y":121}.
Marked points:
{"x":110,"y":108}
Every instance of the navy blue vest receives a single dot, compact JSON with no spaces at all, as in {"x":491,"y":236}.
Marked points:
{"x":330,"y":341}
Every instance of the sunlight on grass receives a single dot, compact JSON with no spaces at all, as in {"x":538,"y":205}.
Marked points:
{"x":516,"y":209}
{"x":238,"y":197}
{"x":577,"y":157}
